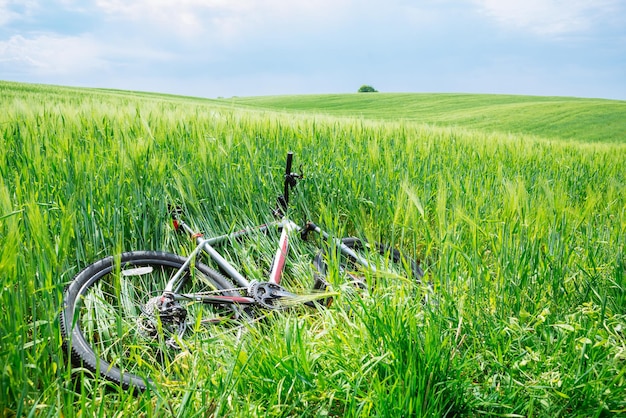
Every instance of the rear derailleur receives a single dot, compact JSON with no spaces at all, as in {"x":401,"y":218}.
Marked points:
{"x":163,"y":315}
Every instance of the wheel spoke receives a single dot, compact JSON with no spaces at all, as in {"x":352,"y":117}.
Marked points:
{"x":118,"y":316}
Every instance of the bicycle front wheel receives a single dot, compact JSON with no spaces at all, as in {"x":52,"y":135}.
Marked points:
{"x":108,"y":322}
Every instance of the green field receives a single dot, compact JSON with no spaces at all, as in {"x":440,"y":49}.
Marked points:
{"x":515,"y":205}
{"x":584,"y":120}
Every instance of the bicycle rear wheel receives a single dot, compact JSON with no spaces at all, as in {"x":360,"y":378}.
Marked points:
{"x":386,"y":266}
{"x":109,"y":325}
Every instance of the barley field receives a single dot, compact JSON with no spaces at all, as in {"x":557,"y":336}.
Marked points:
{"x":519,"y":223}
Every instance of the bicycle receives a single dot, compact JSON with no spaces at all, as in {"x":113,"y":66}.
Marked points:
{"x":123,"y":314}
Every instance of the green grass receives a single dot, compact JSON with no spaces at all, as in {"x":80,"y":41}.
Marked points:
{"x":584,"y":120}
{"x":522,"y":237}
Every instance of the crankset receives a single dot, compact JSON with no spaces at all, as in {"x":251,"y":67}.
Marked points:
{"x":266,"y":294}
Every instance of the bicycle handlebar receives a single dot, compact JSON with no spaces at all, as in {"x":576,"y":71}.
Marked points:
{"x":289,"y":161}
{"x":288,"y":178}
{"x":290,"y":182}
{"x":282,"y":203}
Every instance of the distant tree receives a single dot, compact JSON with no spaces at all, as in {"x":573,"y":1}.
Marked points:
{"x":367,"y":89}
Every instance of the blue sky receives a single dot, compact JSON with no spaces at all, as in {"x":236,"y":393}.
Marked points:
{"x":224,"y":48}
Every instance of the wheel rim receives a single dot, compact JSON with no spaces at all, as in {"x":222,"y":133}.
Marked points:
{"x":111,"y":321}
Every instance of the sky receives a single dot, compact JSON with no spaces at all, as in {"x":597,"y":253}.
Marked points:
{"x":225,"y":48}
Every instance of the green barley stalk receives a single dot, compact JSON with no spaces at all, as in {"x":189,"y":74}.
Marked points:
{"x":522,"y":238}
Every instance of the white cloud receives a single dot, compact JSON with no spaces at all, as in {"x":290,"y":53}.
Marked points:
{"x":548,"y":17}
{"x":50,"y":54}
{"x":57,"y":55}
{"x":223,"y":18}
{"x":11,"y":10}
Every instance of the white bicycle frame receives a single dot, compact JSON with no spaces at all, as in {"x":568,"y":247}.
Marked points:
{"x":287,"y":227}
{"x":208,"y":245}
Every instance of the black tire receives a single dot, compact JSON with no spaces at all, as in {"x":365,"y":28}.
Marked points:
{"x":352,"y":271}
{"x":104,"y":311}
